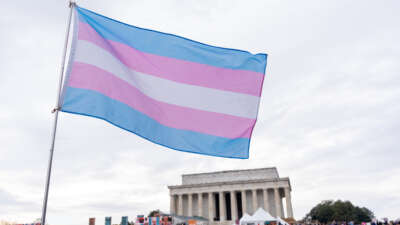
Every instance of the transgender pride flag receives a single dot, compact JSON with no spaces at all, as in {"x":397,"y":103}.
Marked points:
{"x":173,"y":91}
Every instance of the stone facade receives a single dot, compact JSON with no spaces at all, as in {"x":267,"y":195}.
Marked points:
{"x":225,"y":196}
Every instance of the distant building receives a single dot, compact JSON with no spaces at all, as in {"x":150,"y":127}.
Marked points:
{"x":224,"y":196}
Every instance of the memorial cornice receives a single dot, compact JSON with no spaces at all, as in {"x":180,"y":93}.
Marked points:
{"x":232,"y":171}
{"x":214,"y":184}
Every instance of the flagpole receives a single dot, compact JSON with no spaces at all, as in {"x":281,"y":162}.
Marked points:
{"x":55,"y":111}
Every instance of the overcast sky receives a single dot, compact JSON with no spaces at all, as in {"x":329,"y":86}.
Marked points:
{"x":329,"y":115}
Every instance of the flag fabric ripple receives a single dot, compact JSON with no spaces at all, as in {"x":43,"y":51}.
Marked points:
{"x":173,"y":91}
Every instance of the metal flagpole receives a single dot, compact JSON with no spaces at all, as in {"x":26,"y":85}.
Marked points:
{"x":55,"y":110}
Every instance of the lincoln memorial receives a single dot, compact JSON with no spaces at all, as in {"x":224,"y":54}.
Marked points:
{"x":223,"y":197}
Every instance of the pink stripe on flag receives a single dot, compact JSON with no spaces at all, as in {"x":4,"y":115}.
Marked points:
{"x":242,"y":81}
{"x":93,"y":78}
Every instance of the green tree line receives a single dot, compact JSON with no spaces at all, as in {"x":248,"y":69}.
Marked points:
{"x":328,"y":211}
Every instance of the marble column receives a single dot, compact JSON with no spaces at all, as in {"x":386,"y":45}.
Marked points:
{"x":289,"y":208}
{"x":172,"y":204}
{"x":190,"y":206}
{"x":210,"y":206}
{"x":222,"y":207}
{"x":266,"y":201}
{"x":234,"y":210}
{"x":278,"y":203}
{"x":282,"y":211}
{"x":180,"y":205}
{"x":200,"y":201}
{"x":254,"y":193}
{"x":244,"y":202}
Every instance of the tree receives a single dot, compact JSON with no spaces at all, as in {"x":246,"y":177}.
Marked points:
{"x":154,"y":213}
{"x":328,"y":211}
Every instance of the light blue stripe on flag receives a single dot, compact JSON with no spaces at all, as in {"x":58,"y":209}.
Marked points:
{"x":170,"y":45}
{"x":94,"y":104}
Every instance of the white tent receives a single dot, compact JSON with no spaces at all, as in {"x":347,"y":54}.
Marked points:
{"x":262,"y":215}
{"x":280,"y":220}
{"x":245,"y":218}
{"x":259,"y":218}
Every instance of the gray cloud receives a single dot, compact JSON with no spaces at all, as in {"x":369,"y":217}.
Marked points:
{"x":328,"y":117}
{"x":11,"y":204}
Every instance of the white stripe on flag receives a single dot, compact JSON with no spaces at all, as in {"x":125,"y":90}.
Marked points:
{"x":191,"y":96}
